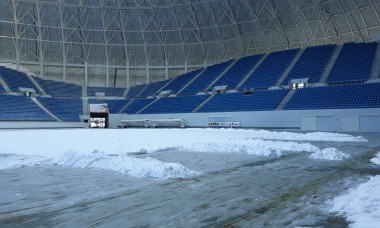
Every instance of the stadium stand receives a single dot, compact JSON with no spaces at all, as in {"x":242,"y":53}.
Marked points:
{"x":135,"y":90}
{"x":180,"y":81}
{"x":21,"y":108}
{"x":208,"y":76}
{"x":152,"y":88}
{"x":336,"y":97}
{"x":265,"y":100}
{"x":137,"y":105}
{"x":59,"y":89}
{"x":181,"y":104}
{"x":2,"y":90}
{"x":311,"y":64}
{"x":354,"y":63}
{"x":113,"y":105}
{"x":109,"y":92}
{"x":15,"y":79}
{"x":270,"y":70}
{"x":67,"y":109}
{"x":237,"y":72}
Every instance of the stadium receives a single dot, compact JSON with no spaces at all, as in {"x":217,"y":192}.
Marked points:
{"x":219,"y":113}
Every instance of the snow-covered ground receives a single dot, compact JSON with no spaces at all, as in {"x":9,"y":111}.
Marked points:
{"x":279,"y":163}
{"x":361,"y":205}
{"x":109,"y":149}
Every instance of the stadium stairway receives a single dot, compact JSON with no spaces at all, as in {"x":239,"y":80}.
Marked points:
{"x":45,"y":109}
{"x":138,"y":95}
{"x":84,"y":91}
{"x":289,"y":68}
{"x":331,"y":64}
{"x":125,"y":92}
{"x":203,"y":103}
{"x":86,"y":110}
{"x":5,"y":86}
{"x":191,"y":81}
{"x":376,"y":65}
{"x":36,"y":84}
{"x":285,"y":100}
{"x":146,"y":106}
{"x":250,"y":72}
{"x":158,"y":91}
{"x":217,"y":78}
{"x":126,"y":105}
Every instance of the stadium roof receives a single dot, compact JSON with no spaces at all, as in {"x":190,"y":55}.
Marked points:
{"x":175,"y":32}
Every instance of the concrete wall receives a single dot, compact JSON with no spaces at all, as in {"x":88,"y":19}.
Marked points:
{"x":40,"y":124}
{"x":366,"y":120}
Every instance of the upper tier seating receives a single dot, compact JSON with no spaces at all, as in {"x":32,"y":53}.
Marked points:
{"x":180,"y":81}
{"x":109,"y":92}
{"x":137,"y":105}
{"x":2,"y":89}
{"x":204,"y":80}
{"x":237,"y":72}
{"x":113,"y":105}
{"x":182,"y":104}
{"x":354,"y":63}
{"x":311,"y":64}
{"x":270,"y":70}
{"x":336,"y":97}
{"x":152,"y":88}
{"x":135,"y":90}
{"x":21,"y":108}
{"x":15,"y":79}
{"x":59,"y":89}
{"x":265,"y":100}
{"x":67,"y":109}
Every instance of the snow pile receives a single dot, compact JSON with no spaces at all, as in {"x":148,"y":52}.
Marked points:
{"x":17,"y":161}
{"x":313,"y":136}
{"x":376,"y":159}
{"x":257,"y":147}
{"x":329,"y":154}
{"x":361,"y":205}
{"x":131,"y":166}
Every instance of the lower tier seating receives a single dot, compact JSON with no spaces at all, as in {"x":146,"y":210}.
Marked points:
{"x":266,"y":100}
{"x":182,"y":104}
{"x":21,"y":108}
{"x":336,"y":97}
{"x":67,"y":109}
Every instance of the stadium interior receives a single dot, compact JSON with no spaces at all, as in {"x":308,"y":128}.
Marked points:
{"x":310,"y":65}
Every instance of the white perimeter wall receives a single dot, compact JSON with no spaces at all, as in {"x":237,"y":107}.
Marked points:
{"x":40,"y":124}
{"x":365,"y":120}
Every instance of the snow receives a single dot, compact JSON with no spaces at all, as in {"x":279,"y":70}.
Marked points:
{"x":329,"y":154}
{"x":135,"y":167}
{"x":75,"y":147}
{"x":361,"y":205}
{"x":376,"y":159}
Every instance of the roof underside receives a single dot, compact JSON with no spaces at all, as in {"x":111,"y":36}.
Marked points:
{"x":176,"y":32}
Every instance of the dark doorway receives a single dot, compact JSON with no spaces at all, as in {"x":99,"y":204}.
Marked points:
{"x":99,"y":120}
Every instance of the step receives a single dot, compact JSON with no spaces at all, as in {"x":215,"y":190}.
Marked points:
{"x":36,"y":84}
{"x":376,"y":64}
{"x":191,"y":81}
{"x":289,"y":68}
{"x":147,"y":105}
{"x":285,"y":100}
{"x":125,"y":106}
{"x":332,"y":61}
{"x":203,"y":103}
{"x":221,"y":75}
{"x":5,"y":86}
{"x":45,"y":109}
{"x":251,"y":71}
